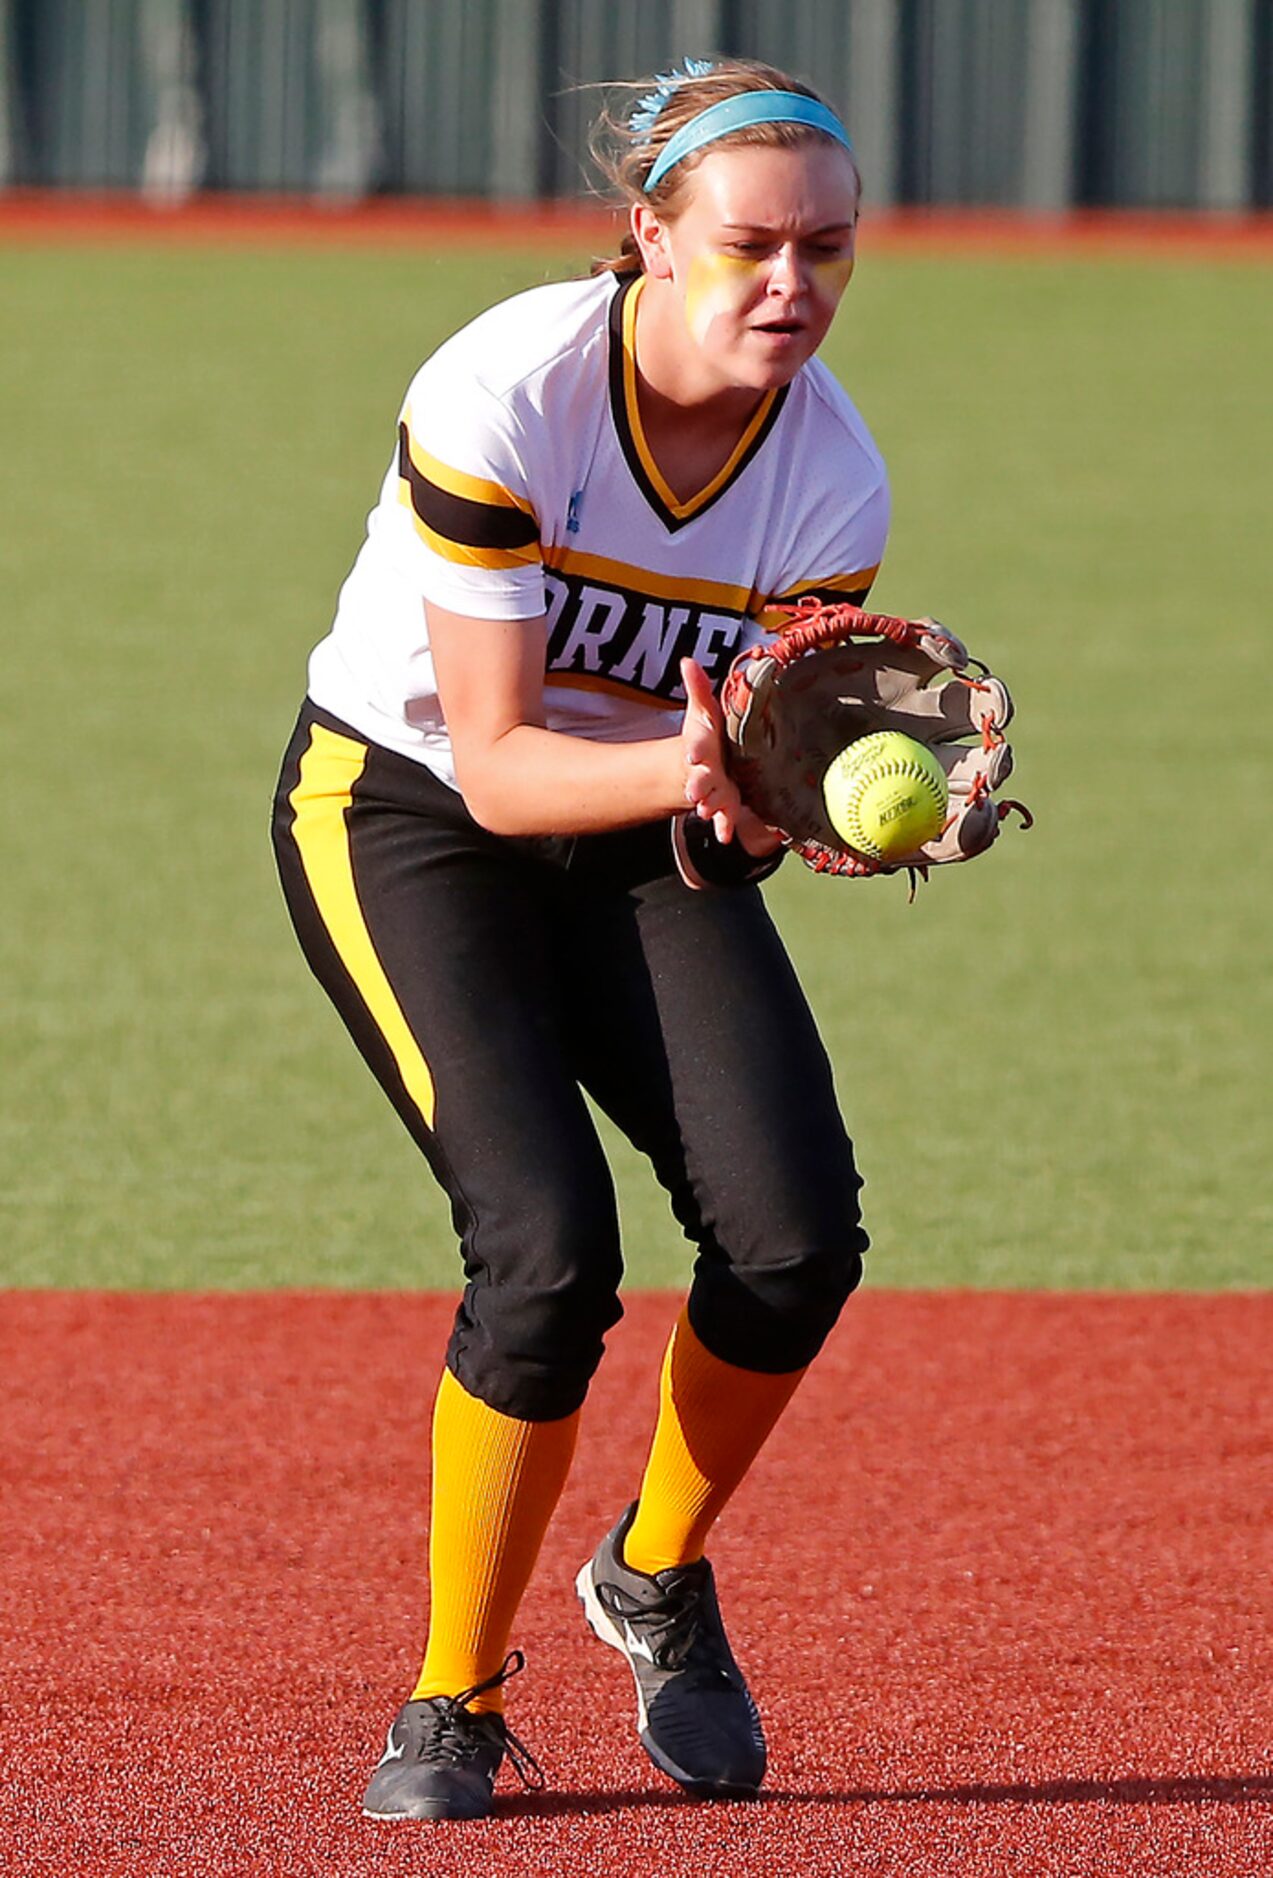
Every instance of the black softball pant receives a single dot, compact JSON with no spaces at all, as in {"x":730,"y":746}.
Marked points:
{"x":488,"y":980}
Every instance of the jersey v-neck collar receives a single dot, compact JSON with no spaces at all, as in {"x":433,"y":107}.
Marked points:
{"x":625,"y":410}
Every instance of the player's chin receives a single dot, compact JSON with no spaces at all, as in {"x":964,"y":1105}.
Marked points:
{"x":775,"y":354}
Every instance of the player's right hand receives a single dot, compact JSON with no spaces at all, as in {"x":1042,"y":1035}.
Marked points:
{"x":710,"y":791}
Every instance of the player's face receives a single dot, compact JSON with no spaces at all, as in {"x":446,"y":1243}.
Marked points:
{"x":760,"y":255}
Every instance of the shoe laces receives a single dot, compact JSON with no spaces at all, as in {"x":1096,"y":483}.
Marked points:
{"x":670,"y":1623}
{"x":452,"y":1733}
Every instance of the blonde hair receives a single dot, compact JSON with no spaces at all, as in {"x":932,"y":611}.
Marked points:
{"x":625,"y":148}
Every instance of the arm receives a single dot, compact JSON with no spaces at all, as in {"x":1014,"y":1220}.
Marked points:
{"x":519,"y":778}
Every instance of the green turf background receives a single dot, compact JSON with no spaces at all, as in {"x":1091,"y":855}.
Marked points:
{"x":1052,"y":1062}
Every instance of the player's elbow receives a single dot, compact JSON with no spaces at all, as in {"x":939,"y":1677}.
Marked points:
{"x":496,"y":817}
{"x":490,"y":796}
{"x":484,"y":804}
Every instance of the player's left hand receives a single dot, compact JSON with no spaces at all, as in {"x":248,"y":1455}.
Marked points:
{"x":838,"y":673}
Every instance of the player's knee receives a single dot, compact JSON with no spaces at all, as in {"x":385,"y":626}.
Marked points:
{"x":776,"y":1317}
{"x":529,"y":1346}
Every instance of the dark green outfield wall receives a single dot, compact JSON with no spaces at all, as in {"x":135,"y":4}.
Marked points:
{"x":1031,"y":103}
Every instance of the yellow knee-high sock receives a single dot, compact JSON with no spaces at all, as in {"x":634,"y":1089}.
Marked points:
{"x":713,"y":1421}
{"x":496,"y":1481}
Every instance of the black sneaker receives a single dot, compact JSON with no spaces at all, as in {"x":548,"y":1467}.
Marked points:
{"x":697,"y":1719}
{"x":440,"y":1760}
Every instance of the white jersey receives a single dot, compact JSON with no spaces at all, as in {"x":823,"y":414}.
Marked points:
{"x":523,"y":489}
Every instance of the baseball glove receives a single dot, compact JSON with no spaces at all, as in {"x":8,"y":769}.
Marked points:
{"x":836,"y":674}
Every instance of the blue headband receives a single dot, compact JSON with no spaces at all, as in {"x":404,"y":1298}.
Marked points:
{"x":741,"y":111}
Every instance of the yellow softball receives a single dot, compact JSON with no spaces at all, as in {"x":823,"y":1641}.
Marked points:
{"x":886,"y":795}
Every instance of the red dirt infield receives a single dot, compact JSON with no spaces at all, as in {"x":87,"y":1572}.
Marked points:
{"x":38,"y":217}
{"x":1001,"y":1581}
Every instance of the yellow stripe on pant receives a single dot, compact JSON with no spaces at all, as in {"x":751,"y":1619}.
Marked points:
{"x":320,"y":801}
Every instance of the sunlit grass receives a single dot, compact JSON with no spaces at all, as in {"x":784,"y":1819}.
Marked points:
{"x":1053,"y":1062}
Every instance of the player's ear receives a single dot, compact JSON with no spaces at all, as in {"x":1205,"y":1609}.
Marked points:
{"x":650,"y":235}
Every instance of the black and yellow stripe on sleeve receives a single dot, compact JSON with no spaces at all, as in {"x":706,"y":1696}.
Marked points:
{"x":466,"y":519}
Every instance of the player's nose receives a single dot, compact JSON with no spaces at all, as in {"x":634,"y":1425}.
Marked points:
{"x":786,"y":271}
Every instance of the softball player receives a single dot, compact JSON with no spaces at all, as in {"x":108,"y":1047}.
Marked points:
{"x":515,"y":859}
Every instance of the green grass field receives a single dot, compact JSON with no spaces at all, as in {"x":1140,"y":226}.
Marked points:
{"x":1051,"y":1062}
